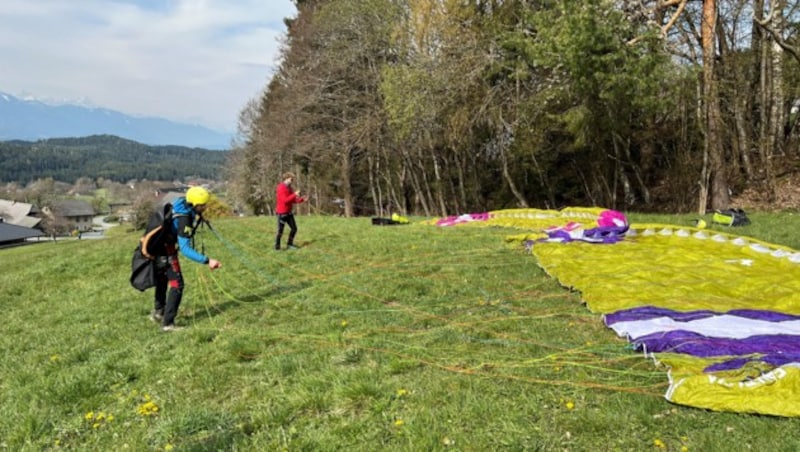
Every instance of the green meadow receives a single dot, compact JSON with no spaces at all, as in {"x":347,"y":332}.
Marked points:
{"x":411,"y":338}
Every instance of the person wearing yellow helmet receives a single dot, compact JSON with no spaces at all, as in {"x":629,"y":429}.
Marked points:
{"x":197,"y":196}
{"x":186,"y":214}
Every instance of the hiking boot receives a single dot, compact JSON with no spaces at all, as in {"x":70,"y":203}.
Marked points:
{"x":156,"y":316}
{"x":169,"y":328}
{"x":292,"y":247}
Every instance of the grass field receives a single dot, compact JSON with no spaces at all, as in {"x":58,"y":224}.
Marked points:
{"x":367,"y":338}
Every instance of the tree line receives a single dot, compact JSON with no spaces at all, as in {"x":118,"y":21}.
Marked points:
{"x":437,"y":107}
{"x":107,"y":157}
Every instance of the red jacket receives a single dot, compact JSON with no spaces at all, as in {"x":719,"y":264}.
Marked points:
{"x":286,"y":199}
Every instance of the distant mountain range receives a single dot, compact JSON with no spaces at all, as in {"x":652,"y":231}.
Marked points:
{"x":32,"y":120}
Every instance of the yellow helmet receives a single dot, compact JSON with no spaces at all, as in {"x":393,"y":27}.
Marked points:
{"x":197,"y":196}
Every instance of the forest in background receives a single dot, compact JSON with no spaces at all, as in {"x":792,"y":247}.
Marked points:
{"x":104,"y":157}
{"x":436,"y":107}
{"x":105,"y":171}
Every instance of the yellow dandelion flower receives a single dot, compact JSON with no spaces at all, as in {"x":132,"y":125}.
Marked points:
{"x":684,"y":449}
{"x":658,"y":443}
{"x":54,"y":358}
{"x":344,"y":323}
{"x":89,"y":416}
{"x":110,"y":417}
{"x":399,"y":423}
{"x":101,"y":416}
{"x":96,"y":425}
{"x":570,"y":405}
{"x":169,"y":447}
{"x":147,"y":409}
{"x":401,"y":392}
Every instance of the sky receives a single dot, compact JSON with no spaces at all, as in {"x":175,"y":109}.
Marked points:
{"x":193,"y":61}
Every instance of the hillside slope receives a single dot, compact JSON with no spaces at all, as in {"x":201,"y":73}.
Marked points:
{"x":110,"y":157}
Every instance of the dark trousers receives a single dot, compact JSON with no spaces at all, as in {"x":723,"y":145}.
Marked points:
{"x":168,"y":275}
{"x":284,"y":220}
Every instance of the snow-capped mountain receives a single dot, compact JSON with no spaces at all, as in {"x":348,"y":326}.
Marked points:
{"x":52,"y":101}
{"x":30,"y":120}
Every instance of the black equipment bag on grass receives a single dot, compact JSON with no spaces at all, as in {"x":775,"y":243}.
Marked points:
{"x":731,"y":217}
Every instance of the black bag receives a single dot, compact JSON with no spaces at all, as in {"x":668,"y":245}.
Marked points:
{"x":142,"y":270}
{"x":377,"y":221}
{"x":731,"y":217}
{"x":158,"y":232}
{"x":151,"y":245}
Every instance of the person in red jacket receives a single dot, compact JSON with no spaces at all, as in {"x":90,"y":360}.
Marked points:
{"x":286,"y":199}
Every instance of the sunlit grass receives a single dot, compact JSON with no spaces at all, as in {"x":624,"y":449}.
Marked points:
{"x":403,"y":338}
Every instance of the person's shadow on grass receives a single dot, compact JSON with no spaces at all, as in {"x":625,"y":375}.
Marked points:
{"x":215,"y":309}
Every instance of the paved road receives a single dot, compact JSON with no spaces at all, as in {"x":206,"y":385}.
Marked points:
{"x":100,"y":228}
{"x":99,"y":222}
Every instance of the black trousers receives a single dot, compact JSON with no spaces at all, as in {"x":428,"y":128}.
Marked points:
{"x":284,"y":220}
{"x":168,"y":276}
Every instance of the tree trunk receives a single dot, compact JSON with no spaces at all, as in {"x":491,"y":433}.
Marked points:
{"x":347,"y":194}
{"x":544,"y":182}
{"x":439,"y":184}
{"x":374,"y":186}
{"x":419,"y":193}
{"x":720,"y":197}
{"x":401,"y":199}
{"x":385,"y":176}
{"x":461,"y":201}
{"x":776,"y":96}
{"x":643,"y":167}
{"x":777,"y":115}
{"x":510,"y":181}
{"x":765,"y":142}
{"x":630,"y":195}
{"x":743,"y":128}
